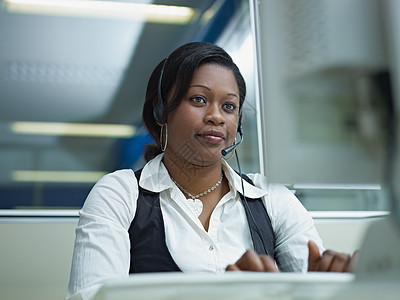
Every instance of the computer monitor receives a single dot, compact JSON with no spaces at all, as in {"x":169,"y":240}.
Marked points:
{"x":329,"y":83}
{"x":393,"y":33}
{"x":321,"y":66}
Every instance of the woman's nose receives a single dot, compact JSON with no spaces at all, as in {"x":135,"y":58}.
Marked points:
{"x":214,"y":115}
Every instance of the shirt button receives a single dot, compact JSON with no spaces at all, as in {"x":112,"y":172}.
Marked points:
{"x":211,"y":248}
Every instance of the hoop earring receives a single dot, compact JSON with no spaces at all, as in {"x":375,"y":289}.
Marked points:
{"x":166,"y":137}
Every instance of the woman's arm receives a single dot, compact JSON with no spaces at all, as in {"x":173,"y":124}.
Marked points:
{"x":102,"y":247}
{"x":293,"y":227}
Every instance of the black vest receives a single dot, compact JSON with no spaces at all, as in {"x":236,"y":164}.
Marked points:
{"x":149,"y":252}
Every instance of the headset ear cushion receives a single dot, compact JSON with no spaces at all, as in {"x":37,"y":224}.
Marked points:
{"x":240,"y":127}
{"x":159,"y":113}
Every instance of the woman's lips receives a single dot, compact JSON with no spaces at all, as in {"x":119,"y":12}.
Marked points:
{"x":213,"y":137}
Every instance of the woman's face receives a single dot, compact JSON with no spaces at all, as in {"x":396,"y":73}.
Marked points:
{"x":205,"y":122}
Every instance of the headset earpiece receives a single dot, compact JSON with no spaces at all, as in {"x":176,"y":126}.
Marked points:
{"x":240,"y":128}
{"x":159,"y":111}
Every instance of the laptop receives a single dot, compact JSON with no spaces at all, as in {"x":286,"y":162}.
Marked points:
{"x":231,"y":285}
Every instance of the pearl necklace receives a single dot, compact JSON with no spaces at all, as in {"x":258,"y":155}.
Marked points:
{"x":195,"y":204}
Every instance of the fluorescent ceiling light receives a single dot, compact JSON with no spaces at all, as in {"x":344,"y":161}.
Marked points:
{"x":105,"y":9}
{"x":73,"y":129}
{"x":56,"y":176}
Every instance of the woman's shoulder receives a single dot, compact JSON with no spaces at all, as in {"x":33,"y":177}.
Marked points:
{"x":277,"y":196}
{"x":122,"y":174}
{"x":261,"y":181}
{"x":121,"y":179}
{"x":118,"y":189}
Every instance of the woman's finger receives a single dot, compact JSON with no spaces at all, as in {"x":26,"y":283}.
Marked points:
{"x":313,"y":256}
{"x":250,"y":261}
{"x":269,"y":264}
{"x":353,"y":260}
{"x":339,"y":263}
{"x":326,"y":260}
{"x":233,"y":268}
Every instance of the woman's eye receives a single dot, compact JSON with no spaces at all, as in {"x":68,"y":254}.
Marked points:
{"x":229,"y":106}
{"x":198,"y":99}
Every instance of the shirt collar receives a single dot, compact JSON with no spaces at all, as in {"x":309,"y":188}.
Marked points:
{"x":250,"y":191}
{"x":155,"y":178}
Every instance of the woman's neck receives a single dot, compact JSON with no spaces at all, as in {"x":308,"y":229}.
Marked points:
{"x":195,"y":178}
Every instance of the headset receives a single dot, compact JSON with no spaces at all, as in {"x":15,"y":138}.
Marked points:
{"x":159,"y":111}
{"x":160,"y":116}
{"x":229,"y":149}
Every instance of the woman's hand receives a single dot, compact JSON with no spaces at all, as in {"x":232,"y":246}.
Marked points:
{"x":330,"y":261}
{"x":251,"y":261}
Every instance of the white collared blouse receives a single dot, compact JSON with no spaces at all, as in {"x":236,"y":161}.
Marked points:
{"x":102,"y":245}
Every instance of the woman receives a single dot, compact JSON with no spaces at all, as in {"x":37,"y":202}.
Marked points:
{"x":184,"y":211}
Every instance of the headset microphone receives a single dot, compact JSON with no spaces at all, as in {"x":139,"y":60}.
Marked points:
{"x":229,"y":149}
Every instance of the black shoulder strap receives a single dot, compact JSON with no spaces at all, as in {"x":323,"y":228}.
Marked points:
{"x":137,"y":175}
{"x":260,"y":225}
{"x":149,"y":252}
